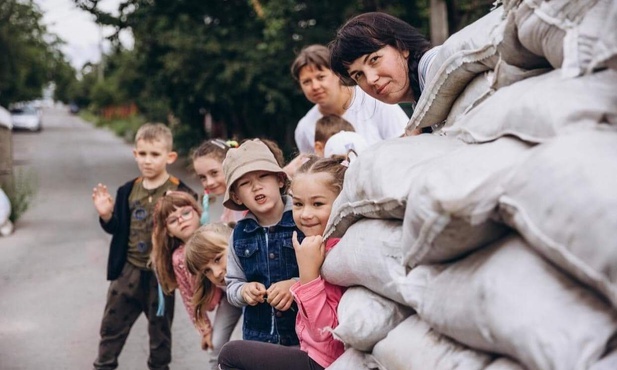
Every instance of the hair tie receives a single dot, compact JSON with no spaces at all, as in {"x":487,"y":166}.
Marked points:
{"x":232,"y":143}
{"x":345,"y":163}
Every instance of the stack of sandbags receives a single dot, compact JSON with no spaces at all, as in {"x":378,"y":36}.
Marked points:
{"x":491,"y":243}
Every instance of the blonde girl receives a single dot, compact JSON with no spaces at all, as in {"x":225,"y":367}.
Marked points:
{"x":206,"y":259}
{"x":315,"y":186}
{"x":176,"y":218}
{"x":208,"y":166}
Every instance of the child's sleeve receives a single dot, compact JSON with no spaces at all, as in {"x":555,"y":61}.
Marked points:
{"x":235,"y":278}
{"x":186,"y":286}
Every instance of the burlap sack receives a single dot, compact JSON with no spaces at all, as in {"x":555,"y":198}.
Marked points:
{"x":540,"y":108}
{"x":507,"y":299}
{"x":563,"y":201}
{"x":365,"y":318}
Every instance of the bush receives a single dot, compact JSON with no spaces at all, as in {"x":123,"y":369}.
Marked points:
{"x":21,"y":190}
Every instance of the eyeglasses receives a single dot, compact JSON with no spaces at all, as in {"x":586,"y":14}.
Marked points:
{"x":185,"y":215}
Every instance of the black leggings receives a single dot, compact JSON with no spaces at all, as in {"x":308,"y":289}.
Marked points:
{"x":253,"y":355}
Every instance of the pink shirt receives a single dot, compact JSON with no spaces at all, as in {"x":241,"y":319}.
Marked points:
{"x":317,"y":303}
{"x":186,"y":286}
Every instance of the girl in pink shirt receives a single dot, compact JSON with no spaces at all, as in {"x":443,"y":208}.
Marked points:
{"x":315,"y":186}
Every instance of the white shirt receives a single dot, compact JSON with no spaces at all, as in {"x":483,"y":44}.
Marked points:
{"x":372,"y":119}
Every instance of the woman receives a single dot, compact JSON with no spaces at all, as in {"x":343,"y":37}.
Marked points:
{"x":371,"y":118}
{"x":385,"y":56}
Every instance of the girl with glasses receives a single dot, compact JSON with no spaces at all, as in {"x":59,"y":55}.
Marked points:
{"x":176,"y":218}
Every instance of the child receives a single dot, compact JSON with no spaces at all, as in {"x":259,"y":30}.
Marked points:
{"x":261,"y":264}
{"x":133,"y":288}
{"x":208,"y":165}
{"x":175,"y":221}
{"x":206,"y":259}
{"x":315,"y":187}
{"x":327,"y":126}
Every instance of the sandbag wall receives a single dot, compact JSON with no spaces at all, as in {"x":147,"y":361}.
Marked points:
{"x":491,"y":243}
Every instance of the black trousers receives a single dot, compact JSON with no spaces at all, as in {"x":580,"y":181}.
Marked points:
{"x":135,"y":291}
{"x":253,"y":355}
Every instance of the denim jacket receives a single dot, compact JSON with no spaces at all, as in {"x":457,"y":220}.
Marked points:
{"x":265,"y":255}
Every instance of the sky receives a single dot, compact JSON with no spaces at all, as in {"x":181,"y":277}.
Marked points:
{"x":77,"y":28}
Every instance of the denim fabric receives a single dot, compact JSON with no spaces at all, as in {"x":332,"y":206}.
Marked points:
{"x":267,"y":256}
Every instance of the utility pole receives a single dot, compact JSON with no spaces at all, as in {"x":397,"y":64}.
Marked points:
{"x":439,"y":22}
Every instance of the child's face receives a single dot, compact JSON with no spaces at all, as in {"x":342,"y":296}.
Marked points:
{"x":321,"y":87}
{"x":210,"y":173}
{"x":216,"y":269}
{"x":312,"y":202}
{"x":259,"y":192}
{"x":152,"y":158}
{"x":182,"y":222}
{"x":384,"y":75}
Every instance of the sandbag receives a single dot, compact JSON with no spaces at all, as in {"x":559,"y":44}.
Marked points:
{"x":562,"y":31}
{"x":605,"y":50}
{"x":453,"y":201}
{"x":369,"y":254}
{"x":540,"y":108}
{"x":507,"y":299}
{"x":414,"y":345}
{"x":352,"y":359}
{"x":365,"y":318}
{"x":563,"y":201}
{"x":377,"y":182}
{"x":465,"y":54}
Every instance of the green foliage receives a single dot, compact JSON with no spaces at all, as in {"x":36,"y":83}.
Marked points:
{"x":29,"y":55}
{"x":229,"y":59}
{"x":20,"y":190}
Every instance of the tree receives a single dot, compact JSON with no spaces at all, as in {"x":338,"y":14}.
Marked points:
{"x":29,"y":55}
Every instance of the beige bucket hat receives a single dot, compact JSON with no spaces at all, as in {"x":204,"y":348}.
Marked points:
{"x":252,"y":155}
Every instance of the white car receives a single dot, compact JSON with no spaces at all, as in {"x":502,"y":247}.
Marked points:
{"x":27,"y":117}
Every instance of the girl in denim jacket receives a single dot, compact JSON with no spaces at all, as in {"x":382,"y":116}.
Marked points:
{"x":315,"y":186}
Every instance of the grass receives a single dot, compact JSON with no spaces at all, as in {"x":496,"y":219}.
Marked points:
{"x":123,"y":127}
{"x":21,"y":190}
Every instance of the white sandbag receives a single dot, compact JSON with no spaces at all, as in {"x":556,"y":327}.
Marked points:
{"x":540,"y":108}
{"x":608,"y":362}
{"x":352,"y":359}
{"x":377,"y":182}
{"x":369,"y":254}
{"x":6,"y":226}
{"x":605,"y":50}
{"x":503,"y":363}
{"x":507,"y":299}
{"x":365,"y":318}
{"x":414,"y":345}
{"x":453,"y":201}
{"x":465,"y":54}
{"x":563,"y":201}
{"x":562,"y":31}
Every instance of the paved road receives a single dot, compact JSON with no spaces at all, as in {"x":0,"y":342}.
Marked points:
{"x":52,"y":269}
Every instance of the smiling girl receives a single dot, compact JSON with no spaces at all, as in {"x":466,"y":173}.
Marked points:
{"x":315,"y":186}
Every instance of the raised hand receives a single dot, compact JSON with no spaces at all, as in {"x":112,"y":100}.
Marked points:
{"x":310,"y":255}
{"x":103,"y":202}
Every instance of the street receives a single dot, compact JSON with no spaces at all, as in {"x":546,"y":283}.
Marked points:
{"x":52,"y":269}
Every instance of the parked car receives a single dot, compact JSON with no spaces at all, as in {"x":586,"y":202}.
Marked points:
{"x":27,"y":117}
{"x":73,"y":108}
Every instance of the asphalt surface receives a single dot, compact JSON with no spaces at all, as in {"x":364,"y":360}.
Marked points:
{"x":52,"y":268}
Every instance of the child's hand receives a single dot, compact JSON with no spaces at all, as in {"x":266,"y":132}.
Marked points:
{"x":253,"y":293}
{"x":310,"y":255}
{"x":103,"y":202}
{"x":279,"y":295}
{"x":295,"y":163}
{"x":206,"y":341}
